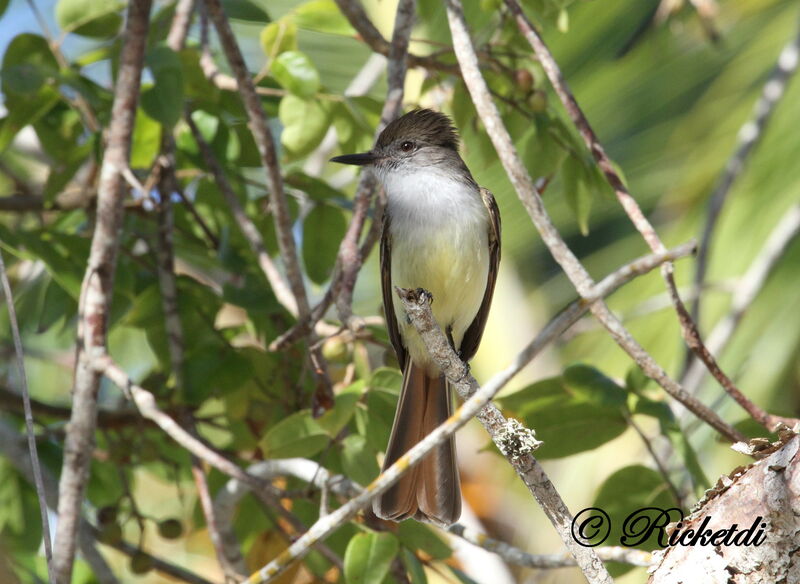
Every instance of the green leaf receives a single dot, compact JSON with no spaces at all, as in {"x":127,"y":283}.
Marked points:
{"x":314,"y":187}
{"x":146,"y":142}
{"x":577,"y":191}
{"x":245,"y":10}
{"x":163,"y":101}
{"x":568,"y":419}
{"x":359,"y":459}
{"x":418,"y":536}
{"x":27,"y":55}
{"x":640,"y":404}
{"x":369,"y":557}
{"x":57,"y":304}
{"x":629,"y":490}
{"x":414,"y":568}
{"x":305,"y":122}
{"x":3,"y":6}
{"x":25,"y":113}
{"x":296,"y":73}
{"x":591,"y":384}
{"x":279,"y":36}
{"x":323,"y":229}
{"x":90,"y":18}
{"x":297,"y":435}
{"x":344,"y":406}
{"x":323,"y":16}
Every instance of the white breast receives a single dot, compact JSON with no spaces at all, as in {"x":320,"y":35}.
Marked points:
{"x":439,"y":233}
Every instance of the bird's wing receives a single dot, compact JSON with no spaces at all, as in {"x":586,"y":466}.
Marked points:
{"x":472,"y":337}
{"x":388,"y":294}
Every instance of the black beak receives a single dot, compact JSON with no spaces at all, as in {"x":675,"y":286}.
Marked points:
{"x":364,"y":159}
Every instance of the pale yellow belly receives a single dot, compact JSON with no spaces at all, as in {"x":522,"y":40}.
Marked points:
{"x":453,"y":265}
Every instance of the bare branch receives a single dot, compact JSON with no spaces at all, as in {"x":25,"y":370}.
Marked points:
{"x":532,"y":202}
{"x":26,"y":400}
{"x":514,"y":441}
{"x":318,"y":531}
{"x":266,"y":148}
{"x":279,"y":286}
{"x":355,"y":14}
{"x":181,"y":22}
{"x":231,"y":573}
{"x":689,"y":329}
{"x":518,"y":557}
{"x":349,"y":260}
{"x":96,"y":291}
{"x":745,"y":292}
{"x":749,"y":136}
{"x":12,"y":449}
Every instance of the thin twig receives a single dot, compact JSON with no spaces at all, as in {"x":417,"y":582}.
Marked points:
{"x":570,"y":315}
{"x":660,"y":464}
{"x":165,"y":261}
{"x":355,"y":14}
{"x":688,"y":326}
{"x":200,"y":481}
{"x":96,"y":291}
{"x":532,"y":201}
{"x":747,"y":139}
{"x":11,"y":448}
{"x":514,"y":441}
{"x":29,"y":430}
{"x":269,"y":158}
{"x":349,"y":259}
{"x":251,"y":233}
{"x":518,"y":557}
{"x":746,"y":291}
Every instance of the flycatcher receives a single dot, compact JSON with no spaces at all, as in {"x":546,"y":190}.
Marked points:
{"x":441,"y":232}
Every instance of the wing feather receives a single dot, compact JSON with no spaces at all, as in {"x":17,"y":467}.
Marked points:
{"x":388,"y":294}
{"x":472,"y":337}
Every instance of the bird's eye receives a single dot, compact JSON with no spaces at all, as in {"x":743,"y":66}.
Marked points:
{"x":407,"y":146}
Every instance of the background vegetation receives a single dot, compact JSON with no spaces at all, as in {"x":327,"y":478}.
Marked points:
{"x":667,"y":101}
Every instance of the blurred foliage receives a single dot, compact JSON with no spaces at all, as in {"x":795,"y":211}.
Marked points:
{"x":667,"y":110}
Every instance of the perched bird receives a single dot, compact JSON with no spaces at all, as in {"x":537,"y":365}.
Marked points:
{"x":441,"y":232}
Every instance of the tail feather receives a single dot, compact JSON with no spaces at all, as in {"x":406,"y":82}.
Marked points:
{"x":431,"y":490}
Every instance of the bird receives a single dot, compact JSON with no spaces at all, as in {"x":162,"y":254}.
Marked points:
{"x":441,"y":233}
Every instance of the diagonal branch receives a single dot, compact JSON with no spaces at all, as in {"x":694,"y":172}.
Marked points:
{"x":248,"y":228}
{"x":355,"y":14}
{"x":749,"y":136}
{"x":532,"y":201}
{"x":96,"y":291}
{"x":518,"y":557}
{"x":26,"y":400}
{"x":328,"y":524}
{"x":350,"y":259}
{"x":689,"y":329}
{"x":745,"y":293}
{"x":11,"y":448}
{"x":269,"y":157}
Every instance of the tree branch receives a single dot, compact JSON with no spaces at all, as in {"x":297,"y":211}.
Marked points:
{"x":26,"y":400}
{"x":518,"y":557}
{"x":749,"y":136}
{"x":11,"y":448}
{"x":349,"y":260}
{"x":531,"y":200}
{"x":745,"y":292}
{"x":269,"y":158}
{"x":688,"y":327}
{"x":96,"y":291}
{"x":514,"y":441}
{"x":355,"y":14}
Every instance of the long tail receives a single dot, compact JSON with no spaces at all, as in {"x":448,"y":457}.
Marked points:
{"x":431,"y":491}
